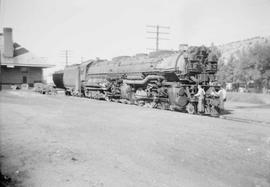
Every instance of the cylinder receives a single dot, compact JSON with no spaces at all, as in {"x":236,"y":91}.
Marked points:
{"x":8,"y":43}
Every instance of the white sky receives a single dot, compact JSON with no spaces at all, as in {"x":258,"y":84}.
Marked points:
{"x":109,"y":28}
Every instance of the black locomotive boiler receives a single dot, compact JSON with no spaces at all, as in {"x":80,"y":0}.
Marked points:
{"x":164,"y":79}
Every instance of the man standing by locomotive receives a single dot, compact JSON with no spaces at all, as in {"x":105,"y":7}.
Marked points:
{"x":222,"y":98}
{"x":200,"y":94}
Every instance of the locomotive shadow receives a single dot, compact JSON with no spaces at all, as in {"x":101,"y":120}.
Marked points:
{"x":226,"y":112}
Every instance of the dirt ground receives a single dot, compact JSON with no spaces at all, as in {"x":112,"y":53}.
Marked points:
{"x":69,"y":141}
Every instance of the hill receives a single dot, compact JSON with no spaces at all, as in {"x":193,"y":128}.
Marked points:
{"x":246,"y":61}
{"x":234,"y":49}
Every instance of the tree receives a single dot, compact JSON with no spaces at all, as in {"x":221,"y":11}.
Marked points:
{"x":252,"y":64}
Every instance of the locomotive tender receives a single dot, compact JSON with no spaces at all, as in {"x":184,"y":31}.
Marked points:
{"x":164,"y":79}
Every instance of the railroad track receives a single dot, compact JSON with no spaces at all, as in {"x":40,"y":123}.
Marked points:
{"x":249,"y":121}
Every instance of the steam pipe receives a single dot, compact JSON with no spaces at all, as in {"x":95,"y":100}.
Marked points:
{"x":145,"y":80}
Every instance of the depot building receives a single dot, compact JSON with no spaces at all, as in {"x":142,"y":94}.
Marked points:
{"x":18,"y":65}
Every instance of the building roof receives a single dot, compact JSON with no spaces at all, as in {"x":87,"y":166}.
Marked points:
{"x":21,"y":57}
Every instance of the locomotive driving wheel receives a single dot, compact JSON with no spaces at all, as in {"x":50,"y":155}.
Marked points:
{"x":107,"y":98}
{"x":163,"y":106}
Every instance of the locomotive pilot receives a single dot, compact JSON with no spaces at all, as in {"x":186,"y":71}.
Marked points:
{"x":200,"y":94}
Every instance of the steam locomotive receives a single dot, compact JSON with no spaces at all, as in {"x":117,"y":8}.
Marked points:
{"x":163,"y":79}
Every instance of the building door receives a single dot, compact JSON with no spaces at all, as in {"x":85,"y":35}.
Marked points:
{"x":24,"y":79}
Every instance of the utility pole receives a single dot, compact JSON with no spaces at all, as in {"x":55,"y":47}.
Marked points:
{"x":81,"y":59}
{"x":157,"y":34}
{"x":0,"y":71}
{"x":66,"y":55}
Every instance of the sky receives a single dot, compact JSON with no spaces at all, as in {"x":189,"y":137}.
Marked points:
{"x":109,"y":28}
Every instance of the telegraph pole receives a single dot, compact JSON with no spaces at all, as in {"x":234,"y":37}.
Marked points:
{"x":0,"y":71}
{"x":66,"y":55}
{"x":157,"y":34}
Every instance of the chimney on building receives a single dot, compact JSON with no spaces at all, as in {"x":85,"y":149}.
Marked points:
{"x":8,"y":43}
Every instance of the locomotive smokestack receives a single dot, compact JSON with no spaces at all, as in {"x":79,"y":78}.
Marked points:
{"x":8,"y":43}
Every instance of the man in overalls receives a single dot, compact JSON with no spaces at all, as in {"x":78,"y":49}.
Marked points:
{"x":222,"y":98}
{"x":200,"y":94}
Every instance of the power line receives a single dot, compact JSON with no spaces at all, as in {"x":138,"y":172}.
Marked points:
{"x":157,"y":34}
{"x":154,"y":26}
